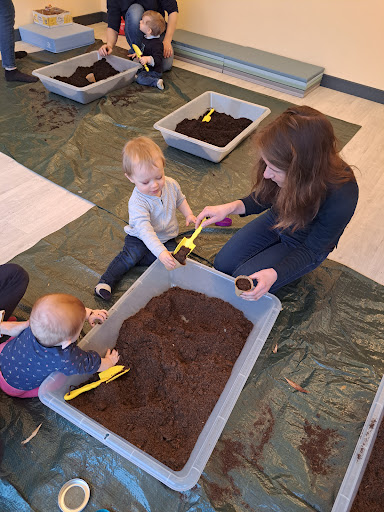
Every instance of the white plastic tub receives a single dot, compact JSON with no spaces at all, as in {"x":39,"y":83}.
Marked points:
{"x":361,"y":455}
{"x":91,"y":92}
{"x":153,"y":282}
{"x":195,"y":108}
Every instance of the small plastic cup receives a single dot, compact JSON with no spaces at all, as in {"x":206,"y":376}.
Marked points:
{"x":243,"y":284}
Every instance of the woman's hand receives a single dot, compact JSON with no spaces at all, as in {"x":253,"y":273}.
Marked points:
{"x":265,"y":279}
{"x":105,"y":50}
{"x":97,"y":316}
{"x":213,"y":214}
{"x":219,"y":212}
{"x":167,"y":48}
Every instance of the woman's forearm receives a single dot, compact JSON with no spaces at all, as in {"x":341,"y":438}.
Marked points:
{"x":171,"y":26}
{"x":112,"y":36}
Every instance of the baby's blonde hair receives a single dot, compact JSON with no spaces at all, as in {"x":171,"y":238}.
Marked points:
{"x":56,"y":318}
{"x":156,"y":22}
{"x":140,"y":151}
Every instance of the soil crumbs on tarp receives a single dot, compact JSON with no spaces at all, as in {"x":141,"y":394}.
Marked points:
{"x":181,"y":348}
{"x":101,"y":70}
{"x":317,"y":446}
{"x":219,"y":131}
{"x":370,"y":496}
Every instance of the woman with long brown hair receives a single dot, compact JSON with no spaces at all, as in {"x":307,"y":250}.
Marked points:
{"x":307,"y":195}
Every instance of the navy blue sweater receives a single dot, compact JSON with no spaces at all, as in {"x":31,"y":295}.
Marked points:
{"x":118,"y":8}
{"x":25,"y":363}
{"x":323,"y":233}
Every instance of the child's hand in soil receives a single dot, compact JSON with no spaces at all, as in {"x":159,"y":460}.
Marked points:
{"x":167,"y":260}
{"x":96,"y":316}
{"x":105,"y":50}
{"x":145,"y":60}
{"x":111,"y":358}
{"x":190,"y":219}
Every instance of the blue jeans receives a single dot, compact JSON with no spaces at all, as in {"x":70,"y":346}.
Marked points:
{"x":147,"y":77}
{"x":134,"y":252}
{"x":134,"y":34}
{"x":7,"y":36}
{"x":258,"y":246}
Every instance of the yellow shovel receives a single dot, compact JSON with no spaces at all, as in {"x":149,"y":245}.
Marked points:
{"x":188,"y":242}
{"x":105,"y":376}
{"x":207,"y":117}
{"x":138,"y":52}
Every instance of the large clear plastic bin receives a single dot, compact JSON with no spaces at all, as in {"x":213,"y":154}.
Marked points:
{"x":156,"y":280}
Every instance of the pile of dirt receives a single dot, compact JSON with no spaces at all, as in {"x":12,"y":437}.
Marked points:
{"x":219,"y":131}
{"x":181,"y":348}
{"x":101,"y":70}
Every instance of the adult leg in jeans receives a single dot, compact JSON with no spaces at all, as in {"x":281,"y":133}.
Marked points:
{"x":132,"y":25}
{"x":270,"y":257}
{"x":253,"y":238}
{"x":133,"y":251}
{"x":7,"y":44}
{"x":13,"y":283}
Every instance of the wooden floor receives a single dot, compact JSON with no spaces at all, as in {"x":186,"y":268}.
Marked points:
{"x":362,"y":244}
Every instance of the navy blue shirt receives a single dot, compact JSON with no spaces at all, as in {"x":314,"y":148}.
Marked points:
{"x":321,"y":235}
{"x":25,"y":363}
{"x":153,"y":47}
{"x":118,"y":8}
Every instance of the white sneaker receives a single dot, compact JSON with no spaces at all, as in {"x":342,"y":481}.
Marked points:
{"x":160,"y":84}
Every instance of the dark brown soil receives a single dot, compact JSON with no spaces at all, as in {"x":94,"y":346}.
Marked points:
{"x":317,"y":446}
{"x":181,"y":348}
{"x":370,"y":496}
{"x":243,"y":284}
{"x":101,"y":69}
{"x":219,"y":131}
{"x":181,"y":255}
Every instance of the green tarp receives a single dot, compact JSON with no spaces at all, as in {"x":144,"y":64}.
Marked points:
{"x":329,"y":333}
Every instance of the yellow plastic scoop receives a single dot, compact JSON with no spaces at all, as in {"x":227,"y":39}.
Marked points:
{"x":207,"y":117}
{"x":188,"y":242}
{"x":105,"y":376}
{"x":138,"y":52}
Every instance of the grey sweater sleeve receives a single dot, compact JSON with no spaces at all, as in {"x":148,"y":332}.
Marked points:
{"x":139,"y":216}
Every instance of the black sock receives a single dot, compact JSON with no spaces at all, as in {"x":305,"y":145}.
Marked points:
{"x":20,"y":54}
{"x":14,"y":75}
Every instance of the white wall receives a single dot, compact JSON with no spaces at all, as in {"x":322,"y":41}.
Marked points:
{"x":344,"y":36}
{"x":24,"y":8}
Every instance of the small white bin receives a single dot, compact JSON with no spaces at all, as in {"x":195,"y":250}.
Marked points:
{"x":195,"y":108}
{"x":91,"y":92}
{"x":156,"y":280}
{"x":361,"y":455}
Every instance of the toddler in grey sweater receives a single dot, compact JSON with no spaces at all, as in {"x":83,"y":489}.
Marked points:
{"x":152,"y":209}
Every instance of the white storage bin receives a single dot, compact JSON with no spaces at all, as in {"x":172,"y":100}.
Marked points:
{"x":195,"y":108}
{"x":91,"y":92}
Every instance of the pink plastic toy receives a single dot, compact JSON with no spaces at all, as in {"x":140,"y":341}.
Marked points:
{"x":225,"y":222}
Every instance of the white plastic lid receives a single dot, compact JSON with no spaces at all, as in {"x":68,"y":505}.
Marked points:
{"x":74,"y":495}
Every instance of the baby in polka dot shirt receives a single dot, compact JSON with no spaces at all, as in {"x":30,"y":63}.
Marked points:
{"x":48,"y":344}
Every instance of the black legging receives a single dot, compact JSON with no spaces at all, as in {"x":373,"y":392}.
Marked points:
{"x":13,"y":283}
